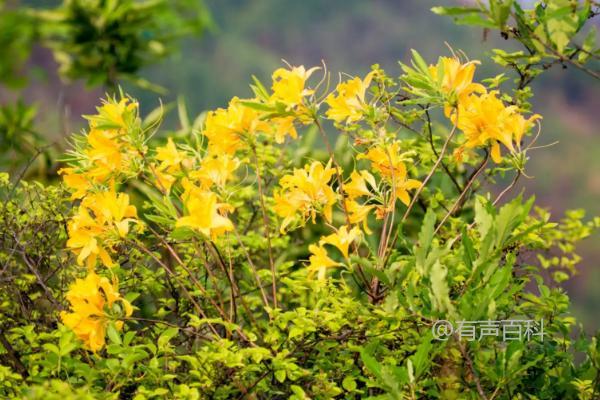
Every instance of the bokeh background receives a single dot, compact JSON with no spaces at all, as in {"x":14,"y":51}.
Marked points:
{"x":252,"y":37}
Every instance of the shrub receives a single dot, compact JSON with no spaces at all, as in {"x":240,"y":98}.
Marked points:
{"x":239,"y":259}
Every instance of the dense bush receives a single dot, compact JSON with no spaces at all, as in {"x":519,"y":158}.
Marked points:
{"x":239,"y":258}
{"x":189,"y":256}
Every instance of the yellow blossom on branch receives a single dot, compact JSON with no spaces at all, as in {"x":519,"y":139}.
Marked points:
{"x":305,"y":193}
{"x":357,"y":186}
{"x":342,"y":239}
{"x":101,"y":220}
{"x":457,"y":79}
{"x":319,"y":262}
{"x":225,"y":128}
{"x":388,"y":161}
{"x":358,"y":213}
{"x":170,"y":157}
{"x":78,"y":183}
{"x":289,"y":85}
{"x":485,"y":120}
{"x":203,"y":212}
{"x":349,"y":104}
{"x":215,"y":169}
{"x":92,"y":306}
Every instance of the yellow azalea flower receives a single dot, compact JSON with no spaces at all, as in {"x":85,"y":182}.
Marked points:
{"x":484,"y":119}
{"x":284,"y":126}
{"x":225,"y":128}
{"x":358,"y":213}
{"x":349,"y":104}
{"x":386,"y":160}
{"x":402,"y":186}
{"x":169,"y":156}
{"x":113,"y":115}
{"x":91,"y":302}
{"x":457,"y":81}
{"x":163,"y":180}
{"x":78,"y":183}
{"x":216,"y":169}
{"x":342,"y":239}
{"x":113,"y":209}
{"x":91,"y":230}
{"x":288,"y":85}
{"x":358,"y":184}
{"x":203,"y":212}
{"x":104,"y":153}
{"x":307,"y":192}
{"x":84,"y":233}
{"x":319,"y":262}
{"x":519,"y":125}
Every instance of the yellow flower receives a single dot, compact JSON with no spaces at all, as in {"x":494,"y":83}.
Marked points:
{"x":402,"y":186}
{"x":112,"y":208}
{"x":92,"y":230}
{"x":84,"y":234}
{"x":225,"y":128}
{"x":519,"y":125}
{"x":113,"y":115}
{"x":203,"y":212}
{"x":307,"y":192}
{"x":163,"y":180}
{"x":342,"y":239}
{"x":284,"y":126}
{"x":288,"y":85}
{"x":457,"y":82}
{"x":358,"y":184}
{"x":349,"y":104}
{"x":169,"y":156}
{"x":484,"y":120}
{"x":92,"y":300}
{"x":388,"y":162}
{"x":358,"y":213}
{"x":79,"y":183}
{"x":216,"y":169}
{"x":104,"y":153}
{"x":319,"y":262}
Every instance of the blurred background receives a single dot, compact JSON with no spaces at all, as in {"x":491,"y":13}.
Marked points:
{"x":241,"y":38}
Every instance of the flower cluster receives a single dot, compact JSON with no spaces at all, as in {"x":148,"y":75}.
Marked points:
{"x":480,"y":114}
{"x":196,"y":183}
{"x":306,"y":192}
{"x":111,"y":150}
{"x":102,"y":219}
{"x":94,"y":303}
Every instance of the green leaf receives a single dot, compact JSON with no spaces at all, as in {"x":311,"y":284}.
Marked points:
{"x":371,"y":363}
{"x":257,"y":106}
{"x":561,"y":22}
{"x":419,"y":62}
{"x":349,"y":383}
{"x":184,"y":120}
{"x":166,"y":336}
{"x":425,"y":239}
{"x":422,"y":358}
{"x":439,"y":288}
{"x":454,"y":10}
{"x":280,"y":375}
{"x":113,"y":335}
{"x":468,"y":250}
{"x":588,"y":46}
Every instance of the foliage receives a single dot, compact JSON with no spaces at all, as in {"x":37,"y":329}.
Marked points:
{"x":236,"y":258}
{"x":102,"y":42}
{"x":551,"y":32}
